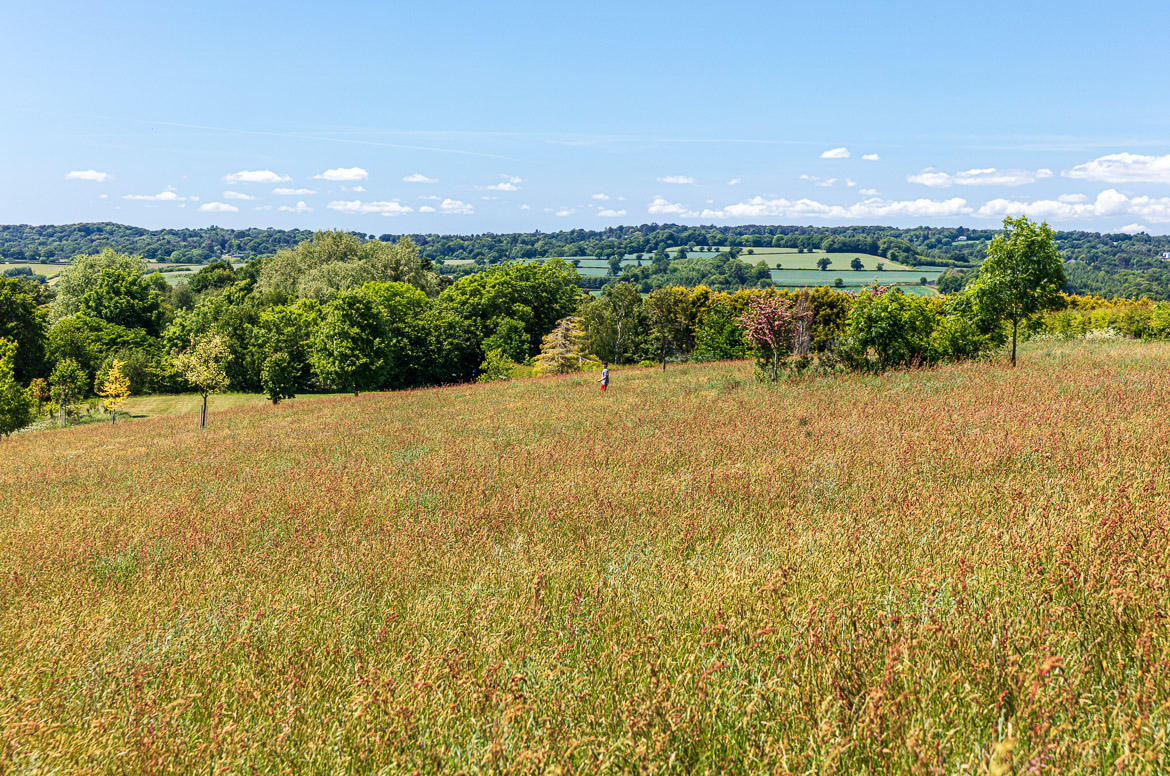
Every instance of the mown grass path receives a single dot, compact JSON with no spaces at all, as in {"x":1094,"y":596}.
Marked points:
{"x":691,"y":573}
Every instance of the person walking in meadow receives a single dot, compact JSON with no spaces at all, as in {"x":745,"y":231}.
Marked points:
{"x":604,"y":376}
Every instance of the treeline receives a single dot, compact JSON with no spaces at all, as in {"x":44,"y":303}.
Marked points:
{"x":957,"y":246}
{"x":60,"y":243}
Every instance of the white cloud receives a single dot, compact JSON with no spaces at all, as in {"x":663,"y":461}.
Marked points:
{"x":526,"y":207}
{"x":1108,"y":203}
{"x":218,"y":207}
{"x":1074,"y":198}
{"x":343,"y":174}
{"x":677,"y":179}
{"x":611,"y":213}
{"x":818,"y":181}
{"x":987,"y":176}
{"x":426,"y":209}
{"x":103,"y":196}
{"x":300,"y":207}
{"x":1124,"y":168}
{"x":566,"y":211}
{"x":660,"y":207}
{"x":836,"y":153}
{"x":162,"y":196}
{"x":600,"y":196}
{"x":734,"y":181}
{"x":513,"y":178}
{"x":263,"y":207}
{"x":871,"y":208}
{"x":505,"y":186}
{"x":432,"y":197}
{"x":255,"y":176}
{"x":418,"y":177}
{"x":293,"y":192}
{"x":455,"y":207}
{"x":871,"y":157}
{"x":868,"y":192}
{"x":87,"y":175}
{"x":236,"y":195}
{"x":361,"y":189}
{"x":1133,"y":229}
{"x":850,"y":182}
{"x":392,"y":208}
{"x":489,"y":198}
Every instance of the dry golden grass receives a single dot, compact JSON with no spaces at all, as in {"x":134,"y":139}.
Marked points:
{"x":693,"y":573}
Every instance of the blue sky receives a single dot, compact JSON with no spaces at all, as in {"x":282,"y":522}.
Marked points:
{"x":480,"y":116}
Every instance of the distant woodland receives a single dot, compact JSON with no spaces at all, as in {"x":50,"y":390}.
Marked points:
{"x":1111,"y":265}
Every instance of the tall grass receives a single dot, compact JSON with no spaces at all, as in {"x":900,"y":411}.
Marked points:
{"x":906,"y":573}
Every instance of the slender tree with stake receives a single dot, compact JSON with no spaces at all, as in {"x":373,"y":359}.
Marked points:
{"x":1022,"y":275}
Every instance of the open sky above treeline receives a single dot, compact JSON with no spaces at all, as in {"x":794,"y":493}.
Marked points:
{"x":472,"y":117}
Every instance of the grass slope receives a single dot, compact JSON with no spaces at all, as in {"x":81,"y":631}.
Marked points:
{"x":691,"y":573}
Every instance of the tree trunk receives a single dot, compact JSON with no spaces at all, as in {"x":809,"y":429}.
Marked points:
{"x":775,"y":363}
{"x":1014,"y":325}
{"x":203,"y":413}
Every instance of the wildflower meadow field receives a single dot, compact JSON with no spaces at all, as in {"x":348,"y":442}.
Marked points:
{"x":950,"y":571}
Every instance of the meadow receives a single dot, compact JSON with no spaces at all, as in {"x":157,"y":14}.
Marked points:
{"x":956,"y":570}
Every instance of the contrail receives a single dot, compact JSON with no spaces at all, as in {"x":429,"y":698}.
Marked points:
{"x":335,"y":140}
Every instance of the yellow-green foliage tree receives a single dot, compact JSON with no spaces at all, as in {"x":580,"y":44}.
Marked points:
{"x":564,"y":349}
{"x":202,"y":366}
{"x":114,"y":389}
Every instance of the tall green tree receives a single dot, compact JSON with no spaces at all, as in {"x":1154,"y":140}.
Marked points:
{"x":283,"y":336}
{"x":83,"y":274}
{"x":538,"y":294}
{"x":348,"y":348}
{"x":615,"y":322}
{"x":337,"y":261}
{"x":668,"y":313}
{"x":1022,"y":275}
{"x":16,"y":402}
{"x":124,"y":298}
{"x":23,"y":322}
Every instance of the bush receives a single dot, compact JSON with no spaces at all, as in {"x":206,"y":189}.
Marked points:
{"x":496,"y":366}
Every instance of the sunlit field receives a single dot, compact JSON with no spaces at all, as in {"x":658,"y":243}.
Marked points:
{"x":935,"y":572}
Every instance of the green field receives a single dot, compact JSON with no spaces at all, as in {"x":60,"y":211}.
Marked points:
{"x":44,"y":270}
{"x":814,"y":277}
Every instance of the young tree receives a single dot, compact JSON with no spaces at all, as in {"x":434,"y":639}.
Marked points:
{"x":202,"y":366}
{"x":769,"y":322}
{"x":16,"y":403}
{"x":1022,"y":275}
{"x":68,"y":381}
{"x":114,"y":389}
{"x":564,"y":349}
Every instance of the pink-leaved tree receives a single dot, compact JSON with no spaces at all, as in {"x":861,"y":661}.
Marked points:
{"x":773,"y":322}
